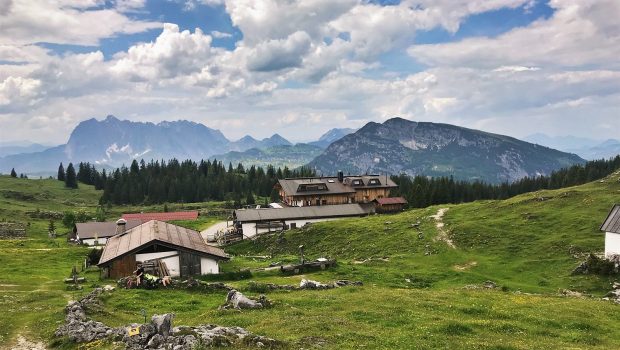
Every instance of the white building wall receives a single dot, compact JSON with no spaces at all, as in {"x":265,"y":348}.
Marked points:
{"x":172,"y":263}
{"x":208,"y":266}
{"x":249,"y":229}
{"x":612,"y":244}
{"x":91,"y":241}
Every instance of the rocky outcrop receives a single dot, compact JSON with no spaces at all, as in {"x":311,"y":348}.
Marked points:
{"x":158,"y":334}
{"x":237,"y":300}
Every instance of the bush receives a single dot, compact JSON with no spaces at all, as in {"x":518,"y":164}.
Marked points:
{"x":93,"y":256}
{"x":600,"y":266}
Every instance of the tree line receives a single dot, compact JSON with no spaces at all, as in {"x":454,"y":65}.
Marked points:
{"x":422,"y":191}
{"x":159,"y":182}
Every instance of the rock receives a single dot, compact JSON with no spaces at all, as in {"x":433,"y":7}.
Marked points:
{"x":156,"y":341}
{"x":309,"y":284}
{"x":108,"y":288}
{"x":162,"y":324}
{"x":239,"y":301}
{"x":489,"y":284}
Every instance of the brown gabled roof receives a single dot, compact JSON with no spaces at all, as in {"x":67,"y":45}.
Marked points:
{"x":612,"y":222}
{"x":167,"y":216}
{"x":292,"y":186}
{"x":391,"y":200}
{"x":157,"y":231}
{"x":86,"y":230}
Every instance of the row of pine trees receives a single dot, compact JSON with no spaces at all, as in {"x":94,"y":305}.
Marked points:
{"x":188,"y":181}
{"x":421,"y":191}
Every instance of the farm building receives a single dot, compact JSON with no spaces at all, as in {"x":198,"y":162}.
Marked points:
{"x":611,"y":226}
{"x":314,"y":191}
{"x":182,"y":251}
{"x":97,"y":233}
{"x":389,"y":204}
{"x":167,"y":216}
{"x":251,"y":222}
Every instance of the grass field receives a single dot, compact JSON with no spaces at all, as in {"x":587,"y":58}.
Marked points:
{"x":418,"y":292}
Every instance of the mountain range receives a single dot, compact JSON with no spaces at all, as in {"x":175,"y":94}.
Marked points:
{"x":421,"y":148}
{"x":112,"y":142}
{"x":587,"y":148}
{"x":394,"y":147}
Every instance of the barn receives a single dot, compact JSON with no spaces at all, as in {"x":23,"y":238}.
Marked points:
{"x":97,"y":233}
{"x":251,"y":222}
{"x":611,"y":227}
{"x":183,"y":251}
{"x":390,"y":204}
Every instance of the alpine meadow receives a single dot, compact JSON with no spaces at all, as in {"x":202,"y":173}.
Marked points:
{"x":309,"y":174}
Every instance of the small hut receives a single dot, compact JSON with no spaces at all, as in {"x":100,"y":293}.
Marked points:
{"x":182,"y":251}
{"x":390,"y":205}
{"x":611,"y":227}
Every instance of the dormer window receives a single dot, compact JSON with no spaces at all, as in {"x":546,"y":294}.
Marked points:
{"x":312,"y":187}
{"x":357,"y":182}
{"x":374,"y":182}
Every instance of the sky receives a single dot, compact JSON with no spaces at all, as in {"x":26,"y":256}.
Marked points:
{"x":299,"y":68}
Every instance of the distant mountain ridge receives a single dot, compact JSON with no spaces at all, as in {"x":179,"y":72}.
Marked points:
{"x":421,"y":148}
{"x":587,"y":148}
{"x":332,"y":135}
{"x":112,"y":142}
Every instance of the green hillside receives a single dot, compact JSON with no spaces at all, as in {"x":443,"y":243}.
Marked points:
{"x":418,"y":292}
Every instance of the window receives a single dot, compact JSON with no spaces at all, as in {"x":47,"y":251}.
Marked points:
{"x":357,"y":182}
{"x":374,"y":182}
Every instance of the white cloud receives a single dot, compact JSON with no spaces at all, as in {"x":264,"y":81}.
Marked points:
{"x":64,"y":22}
{"x":276,"y":54}
{"x":220,"y":35}
{"x":580,"y":33}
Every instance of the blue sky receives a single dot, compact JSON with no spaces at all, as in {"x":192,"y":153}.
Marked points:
{"x":299,"y":68}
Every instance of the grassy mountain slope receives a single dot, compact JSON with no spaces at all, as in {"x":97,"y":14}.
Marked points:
{"x":415,"y":292}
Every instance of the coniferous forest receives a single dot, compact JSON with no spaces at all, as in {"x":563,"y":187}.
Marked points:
{"x":188,"y":181}
{"x":422,"y":191}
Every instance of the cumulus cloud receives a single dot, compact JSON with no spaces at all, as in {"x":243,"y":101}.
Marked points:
{"x":316,"y":63}
{"x":279,"y":54}
{"x":65,"y":22}
{"x":173,"y":53}
{"x":580,"y":33}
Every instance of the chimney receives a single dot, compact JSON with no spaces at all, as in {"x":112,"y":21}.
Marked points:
{"x":120,"y":226}
{"x":340,"y":176}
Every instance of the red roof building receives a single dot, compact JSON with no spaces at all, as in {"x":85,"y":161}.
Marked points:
{"x":178,"y":215}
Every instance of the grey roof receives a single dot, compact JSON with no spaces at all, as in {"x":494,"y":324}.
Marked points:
{"x":612,"y":223}
{"x":157,"y":231}
{"x":309,"y":212}
{"x":291,"y":186}
{"x":101,"y":229}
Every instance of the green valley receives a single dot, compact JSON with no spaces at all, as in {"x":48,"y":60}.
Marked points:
{"x":418,"y":291}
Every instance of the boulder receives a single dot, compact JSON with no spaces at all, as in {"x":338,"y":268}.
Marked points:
{"x":162,"y":324}
{"x":239,"y":301}
{"x":309,"y":284}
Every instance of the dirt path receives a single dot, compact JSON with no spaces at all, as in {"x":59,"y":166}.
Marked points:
{"x":442,"y":235}
{"x":209,"y":233}
{"x":25,"y":344}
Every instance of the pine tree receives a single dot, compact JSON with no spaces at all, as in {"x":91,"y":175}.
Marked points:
{"x":250,"y":198}
{"x":71,"y":177}
{"x":51,"y":227}
{"x":13,"y":173}
{"x":61,"y":173}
